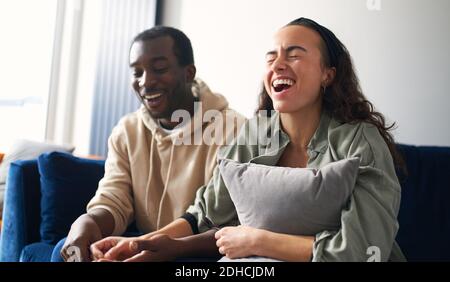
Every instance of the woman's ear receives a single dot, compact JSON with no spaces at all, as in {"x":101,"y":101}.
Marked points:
{"x":190,"y":72}
{"x":328,"y":77}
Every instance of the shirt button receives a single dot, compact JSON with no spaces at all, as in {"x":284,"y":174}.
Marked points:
{"x":312,"y":154}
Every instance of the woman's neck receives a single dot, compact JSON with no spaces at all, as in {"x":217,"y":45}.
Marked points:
{"x":300,"y":126}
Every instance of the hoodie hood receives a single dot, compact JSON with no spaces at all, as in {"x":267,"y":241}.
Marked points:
{"x":207,"y":100}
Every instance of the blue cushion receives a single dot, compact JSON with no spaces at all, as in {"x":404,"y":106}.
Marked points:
{"x":67,"y":185}
{"x":424,"y":215}
{"x":37,"y":252}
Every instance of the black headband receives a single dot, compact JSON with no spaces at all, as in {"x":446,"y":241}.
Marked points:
{"x":334,"y":46}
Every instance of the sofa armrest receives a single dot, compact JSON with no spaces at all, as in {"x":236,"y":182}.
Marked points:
{"x":21,"y":216}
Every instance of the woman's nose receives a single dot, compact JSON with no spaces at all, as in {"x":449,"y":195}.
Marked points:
{"x":279,"y":64}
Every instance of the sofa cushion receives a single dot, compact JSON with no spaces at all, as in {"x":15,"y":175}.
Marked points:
{"x":299,"y":201}
{"x":28,"y":150}
{"x":65,"y":178}
{"x":25,"y":150}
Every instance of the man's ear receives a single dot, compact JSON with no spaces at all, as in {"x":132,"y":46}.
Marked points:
{"x":190,"y":72}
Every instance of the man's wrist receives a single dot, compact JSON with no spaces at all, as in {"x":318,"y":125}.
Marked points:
{"x":184,"y":247}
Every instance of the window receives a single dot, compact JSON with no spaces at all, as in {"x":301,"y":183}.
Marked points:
{"x":27,"y":30}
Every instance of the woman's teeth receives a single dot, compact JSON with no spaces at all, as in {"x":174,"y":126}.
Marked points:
{"x":278,"y":82}
{"x":282,"y":84}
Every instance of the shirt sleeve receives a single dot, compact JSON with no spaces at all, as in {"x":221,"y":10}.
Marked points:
{"x":369,"y":222}
{"x":213,"y":205}
{"x":114,"y":192}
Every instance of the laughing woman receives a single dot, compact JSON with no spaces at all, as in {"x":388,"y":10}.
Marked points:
{"x":323,"y":118}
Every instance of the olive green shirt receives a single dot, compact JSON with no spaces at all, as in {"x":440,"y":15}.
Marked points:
{"x":369,"y":221}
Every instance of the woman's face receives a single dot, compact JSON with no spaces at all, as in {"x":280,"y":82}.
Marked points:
{"x":295,"y":74}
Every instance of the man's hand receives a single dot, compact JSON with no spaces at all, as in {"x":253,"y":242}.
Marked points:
{"x":113,"y":249}
{"x":159,"y":247}
{"x":82,"y":234}
{"x":237,"y":242}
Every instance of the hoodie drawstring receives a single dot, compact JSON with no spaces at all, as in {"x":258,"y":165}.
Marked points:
{"x":165,"y":187}
{"x":147,"y":200}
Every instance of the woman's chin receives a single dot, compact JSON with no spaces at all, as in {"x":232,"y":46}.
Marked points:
{"x":283,"y":107}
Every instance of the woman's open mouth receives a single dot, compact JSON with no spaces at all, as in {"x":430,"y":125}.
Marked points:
{"x":280,"y":85}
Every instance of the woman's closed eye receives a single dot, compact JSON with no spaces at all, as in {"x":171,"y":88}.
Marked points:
{"x":270,"y":60}
{"x":293,"y":56}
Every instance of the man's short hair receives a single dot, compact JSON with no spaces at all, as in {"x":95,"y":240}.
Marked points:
{"x":181,"y":43}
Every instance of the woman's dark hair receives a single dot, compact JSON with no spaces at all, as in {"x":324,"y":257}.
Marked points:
{"x":343,"y":98}
{"x":181,"y":43}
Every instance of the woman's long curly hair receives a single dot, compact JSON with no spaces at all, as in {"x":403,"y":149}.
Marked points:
{"x":343,"y":98}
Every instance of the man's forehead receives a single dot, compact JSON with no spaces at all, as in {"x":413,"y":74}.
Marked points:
{"x":156,"y":47}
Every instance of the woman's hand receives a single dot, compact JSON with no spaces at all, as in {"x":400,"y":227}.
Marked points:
{"x":238,"y":242}
{"x":113,"y":249}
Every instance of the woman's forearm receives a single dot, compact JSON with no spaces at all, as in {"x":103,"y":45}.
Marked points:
{"x":199,"y":245}
{"x":176,"y":229}
{"x":284,"y":247}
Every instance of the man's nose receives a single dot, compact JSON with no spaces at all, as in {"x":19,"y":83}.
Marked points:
{"x":147,"y":80}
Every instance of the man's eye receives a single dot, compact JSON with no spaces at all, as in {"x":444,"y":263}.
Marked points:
{"x":293,"y":57}
{"x":137,"y":74}
{"x":161,"y":70}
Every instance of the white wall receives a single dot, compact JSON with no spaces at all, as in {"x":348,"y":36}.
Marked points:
{"x":401,"y":52}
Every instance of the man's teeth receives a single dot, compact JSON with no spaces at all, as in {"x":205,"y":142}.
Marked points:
{"x":153,"y":96}
{"x":278,"y":82}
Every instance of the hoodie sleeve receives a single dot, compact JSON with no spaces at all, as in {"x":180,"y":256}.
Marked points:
{"x":114,"y":192}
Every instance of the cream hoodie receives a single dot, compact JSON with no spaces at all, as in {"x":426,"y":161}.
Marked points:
{"x":151,"y":179}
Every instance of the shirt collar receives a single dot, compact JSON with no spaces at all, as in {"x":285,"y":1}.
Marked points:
{"x":279,"y":140}
{"x":319,"y":141}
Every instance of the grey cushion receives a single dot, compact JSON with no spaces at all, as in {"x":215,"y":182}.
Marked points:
{"x":297,"y":201}
{"x":27,"y":150}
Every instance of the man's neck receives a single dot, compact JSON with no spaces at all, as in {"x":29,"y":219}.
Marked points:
{"x":187,"y":104}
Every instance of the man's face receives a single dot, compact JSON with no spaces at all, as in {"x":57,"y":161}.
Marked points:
{"x":157,"y":77}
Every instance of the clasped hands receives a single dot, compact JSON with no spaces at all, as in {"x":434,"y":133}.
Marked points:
{"x":233,"y":242}
{"x":159,"y":247}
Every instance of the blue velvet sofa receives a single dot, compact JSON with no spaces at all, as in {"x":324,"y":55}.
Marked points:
{"x":36,"y":218}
